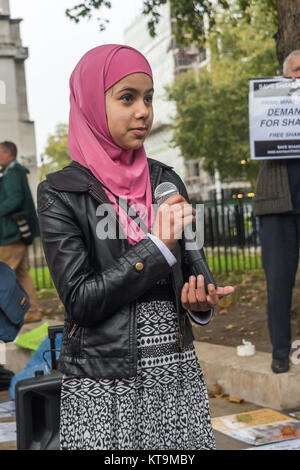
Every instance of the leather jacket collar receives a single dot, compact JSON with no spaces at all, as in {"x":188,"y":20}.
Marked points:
{"x":84,"y":180}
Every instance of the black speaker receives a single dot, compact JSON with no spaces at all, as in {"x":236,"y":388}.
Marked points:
{"x":38,"y":406}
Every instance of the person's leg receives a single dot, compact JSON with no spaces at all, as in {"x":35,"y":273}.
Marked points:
{"x":12,"y":254}
{"x":25,"y":280}
{"x":280,"y":253}
{"x":15,"y":256}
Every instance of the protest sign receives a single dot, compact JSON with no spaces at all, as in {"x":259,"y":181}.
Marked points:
{"x":274,"y":118}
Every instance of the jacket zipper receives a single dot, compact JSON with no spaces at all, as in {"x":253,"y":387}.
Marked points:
{"x":73,"y":329}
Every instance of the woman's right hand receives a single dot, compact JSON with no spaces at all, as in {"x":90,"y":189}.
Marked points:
{"x":172,"y":217}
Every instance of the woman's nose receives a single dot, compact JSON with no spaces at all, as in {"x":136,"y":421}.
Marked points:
{"x":141,"y":110}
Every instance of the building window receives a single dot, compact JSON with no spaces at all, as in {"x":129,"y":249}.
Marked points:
{"x":192,"y":167}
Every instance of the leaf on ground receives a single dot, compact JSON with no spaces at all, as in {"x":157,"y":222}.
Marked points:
{"x":236,"y":400}
{"x":223,"y":311}
{"x":247,"y":279}
{"x":225,"y":302}
{"x":228,"y":327}
{"x":287,"y":431}
{"x":244,"y":418}
{"x":218,"y":389}
{"x":217,"y":392}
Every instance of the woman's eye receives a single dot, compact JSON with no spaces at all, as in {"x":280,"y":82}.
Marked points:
{"x":149,"y":99}
{"x":126,"y":98}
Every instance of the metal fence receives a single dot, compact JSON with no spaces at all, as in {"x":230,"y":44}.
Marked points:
{"x":38,"y":266}
{"x":231,"y":241}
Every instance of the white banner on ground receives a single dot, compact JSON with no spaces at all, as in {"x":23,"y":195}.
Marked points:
{"x":274,"y":118}
{"x":8,"y":432}
{"x":7,"y":409}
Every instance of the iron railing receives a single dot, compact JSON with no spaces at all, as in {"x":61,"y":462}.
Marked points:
{"x":231,"y":240}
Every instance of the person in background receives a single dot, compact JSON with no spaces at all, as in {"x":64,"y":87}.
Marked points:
{"x":277,"y":203}
{"x":15,"y":196}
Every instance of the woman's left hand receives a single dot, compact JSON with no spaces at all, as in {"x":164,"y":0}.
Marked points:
{"x":194,"y":297}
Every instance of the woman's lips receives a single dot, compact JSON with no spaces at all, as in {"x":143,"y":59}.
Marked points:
{"x":139,"y":131}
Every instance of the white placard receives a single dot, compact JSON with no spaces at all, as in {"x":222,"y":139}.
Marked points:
{"x":274,"y":118}
{"x":7,"y":409}
{"x":8,"y":432}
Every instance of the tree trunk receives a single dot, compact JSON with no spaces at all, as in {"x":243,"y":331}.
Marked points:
{"x":288,"y":35}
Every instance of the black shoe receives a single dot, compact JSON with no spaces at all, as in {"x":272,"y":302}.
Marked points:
{"x":5,"y":378}
{"x":280,"y":365}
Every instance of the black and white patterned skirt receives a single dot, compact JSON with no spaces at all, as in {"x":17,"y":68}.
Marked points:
{"x":165,"y":407}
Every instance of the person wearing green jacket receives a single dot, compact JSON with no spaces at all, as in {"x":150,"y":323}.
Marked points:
{"x":15,"y":196}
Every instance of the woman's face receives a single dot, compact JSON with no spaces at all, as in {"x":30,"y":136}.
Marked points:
{"x":129,"y":110}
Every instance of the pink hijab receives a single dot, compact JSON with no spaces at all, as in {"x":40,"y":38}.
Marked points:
{"x":124,"y":172}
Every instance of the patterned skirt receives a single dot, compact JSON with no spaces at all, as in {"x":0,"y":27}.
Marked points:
{"x":165,"y":407}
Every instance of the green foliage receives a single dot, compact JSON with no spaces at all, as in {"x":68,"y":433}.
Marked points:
{"x":267,"y":7}
{"x":85,"y":9}
{"x":212,"y":105}
{"x":189,"y":14}
{"x":56,"y":152}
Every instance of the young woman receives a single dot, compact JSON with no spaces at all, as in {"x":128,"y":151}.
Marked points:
{"x":131,"y":376}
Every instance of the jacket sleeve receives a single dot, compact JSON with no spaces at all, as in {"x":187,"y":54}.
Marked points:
{"x":90,"y":295}
{"x":13,"y":190}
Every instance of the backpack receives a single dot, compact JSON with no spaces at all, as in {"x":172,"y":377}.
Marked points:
{"x":14,"y":303}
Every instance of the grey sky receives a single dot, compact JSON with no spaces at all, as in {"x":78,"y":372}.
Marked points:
{"x":55,"y":46}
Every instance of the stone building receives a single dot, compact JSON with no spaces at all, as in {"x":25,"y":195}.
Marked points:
{"x":15,"y":123}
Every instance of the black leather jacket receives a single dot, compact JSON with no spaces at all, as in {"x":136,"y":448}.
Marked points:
{"x":98,"y":280}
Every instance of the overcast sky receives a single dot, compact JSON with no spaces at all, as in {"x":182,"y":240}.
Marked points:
{"x":55,"y":46}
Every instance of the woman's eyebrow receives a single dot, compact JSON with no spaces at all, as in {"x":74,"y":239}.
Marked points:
{"x":134,"y":90}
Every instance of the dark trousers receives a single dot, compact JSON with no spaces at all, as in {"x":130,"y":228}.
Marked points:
{"x":280,"y":237}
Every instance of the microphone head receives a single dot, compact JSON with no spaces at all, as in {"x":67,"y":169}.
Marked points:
{"x":163,"y":191}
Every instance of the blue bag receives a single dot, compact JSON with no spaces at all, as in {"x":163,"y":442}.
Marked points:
{"x":14,"y":303}
{"x":40,"y":361}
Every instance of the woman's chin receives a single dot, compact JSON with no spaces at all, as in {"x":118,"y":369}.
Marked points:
{"x":133,"y":145}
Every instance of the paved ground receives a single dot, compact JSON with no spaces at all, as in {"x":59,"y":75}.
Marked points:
{"x":219,"y":407}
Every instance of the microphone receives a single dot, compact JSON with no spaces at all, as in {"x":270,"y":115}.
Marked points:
{"x":195,"y":256}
